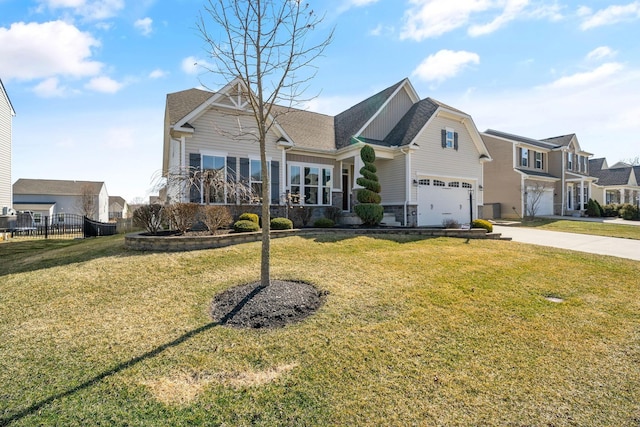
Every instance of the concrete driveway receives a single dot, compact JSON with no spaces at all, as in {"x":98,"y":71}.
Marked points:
{"x":622,"y":248}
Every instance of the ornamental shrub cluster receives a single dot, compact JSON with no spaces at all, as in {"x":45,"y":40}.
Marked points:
{"x":482,"y":223}
{"x":369,"y":209}
{"x":249,"y":217}
{"x":281,"y":224}
{"x":182,"y":216}
{"x":245,"y":226}
{"x":594,"y":209}
{"x":149,"y":217}
{"x":624,"y":211}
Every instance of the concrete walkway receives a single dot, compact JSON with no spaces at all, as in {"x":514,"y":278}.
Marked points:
{"x":622,"y":248}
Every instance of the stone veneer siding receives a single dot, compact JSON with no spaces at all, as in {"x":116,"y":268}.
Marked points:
{"x":140,"y":242}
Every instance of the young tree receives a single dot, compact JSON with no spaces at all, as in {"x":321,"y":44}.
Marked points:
{"x":534,"y":195}
{"x":86,"y":204}
{"x":263,"y":43}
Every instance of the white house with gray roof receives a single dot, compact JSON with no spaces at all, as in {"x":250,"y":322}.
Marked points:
{"x":617,"y":184}
{"x":430,"y":156}
{"x":6,"y":114}
{"x":50,"y":197}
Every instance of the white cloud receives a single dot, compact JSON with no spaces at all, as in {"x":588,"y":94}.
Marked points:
{"x":157,"y":74}
{"x":34,"y":50}
{"x":144,"y":25}
{"x":512,"y":10}
{"x":601,"y":53}
{"x":192,"y":65}
{"x":610,"y":15}
{"x":50,"y":88}
{"x":93,"y":10}
{"x":104,"y":84}
{"x":444,"y":65}
{"x":598,"y":75}
{"x":432,"y":18}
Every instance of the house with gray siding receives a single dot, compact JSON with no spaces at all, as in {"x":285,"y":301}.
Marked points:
{"x":6,"y":114}
{"x":617,"y":184}
{"x":54,"y":198}
{"x":429,"y":156}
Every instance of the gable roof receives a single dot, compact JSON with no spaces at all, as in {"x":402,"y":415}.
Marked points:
{"x":350,"y":121}
{"x":612,"y":176}
{"x":179,"y":104}
{"x":55,"y":187}
{"x":117,"y":199}
{"x":411,"y":123}
{"x":523,"y":139}
{"x":597,"y":164}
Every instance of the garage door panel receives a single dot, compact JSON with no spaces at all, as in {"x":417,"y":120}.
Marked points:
{"x":440,"y":202}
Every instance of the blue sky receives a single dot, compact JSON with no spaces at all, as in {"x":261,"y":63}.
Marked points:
{"x":88,"y":78}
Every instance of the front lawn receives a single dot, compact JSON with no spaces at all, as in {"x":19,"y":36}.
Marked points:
{"x":586,"y":227}
{"x":413,"y":332}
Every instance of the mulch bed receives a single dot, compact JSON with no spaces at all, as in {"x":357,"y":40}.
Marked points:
{"x":254,"y":306}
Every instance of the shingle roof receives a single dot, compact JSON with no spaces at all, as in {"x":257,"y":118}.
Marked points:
{"x":636,"y":170}
{"x":562,"y":140}
{"x":617,"y":176}
{"x":596,"y":164}
{"x":523,"y":139}
{"x":179,"y":104}
{"x":117,"y":199}
{"x":411,"y":123}
{"x":351,"y":121}
{"x":536,"y":173}
{"x":307,"y":129}
{"x":55,"y":187}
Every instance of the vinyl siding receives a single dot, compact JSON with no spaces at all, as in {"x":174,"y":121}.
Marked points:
{"x":5,"y":153}
{"x":392,"y":177}
{"x":390,"y":115}
{"x":433,"y":160}
{"x":501,"y":182}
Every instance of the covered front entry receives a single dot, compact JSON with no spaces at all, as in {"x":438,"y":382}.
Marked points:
{"x":441,"y":200}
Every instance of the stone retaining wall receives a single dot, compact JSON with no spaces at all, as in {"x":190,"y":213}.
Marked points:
{"x":140,"y":242}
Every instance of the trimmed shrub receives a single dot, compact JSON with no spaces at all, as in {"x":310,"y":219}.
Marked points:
{"x":149,"y":217}
{"x":369,"y":209}
{"x":249,"y":217}
{"x":629,"y":211}
{"x":324,"y":223}
{"x":593,"y":209}
{"x":281,"y":224}
{"x":610,"y":210}
{"x":245,"y":226}
{"x":183,"y":215}
{"x":216,"y":217}
{"x":482,"y":223}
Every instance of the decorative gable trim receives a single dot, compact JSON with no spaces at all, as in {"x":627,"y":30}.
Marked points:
{"x":3,"y":92}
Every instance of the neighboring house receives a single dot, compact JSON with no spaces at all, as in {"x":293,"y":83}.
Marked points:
{"x":429,"y":156}
{"x":619,"y":183}
{"x":118,"y":208}
{"x":6,"y":114}
{"x":56,"y":197}
{"x":531,"y":177}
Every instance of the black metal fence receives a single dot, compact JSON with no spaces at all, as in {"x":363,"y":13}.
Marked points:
{"x":60,"y":226}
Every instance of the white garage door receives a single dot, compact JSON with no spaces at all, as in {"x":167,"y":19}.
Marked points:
{"x":540,"y":200}
{"x":440,"y":200}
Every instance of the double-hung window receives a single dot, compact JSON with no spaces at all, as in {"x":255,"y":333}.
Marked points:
{"x":524,"y":157}
{"x":310,"y":184}
{"x":570,"y":161}
{"x":539,"y":161}
{"x":255,"y":177}
{"x":450,"y":136}
{"x":213,"y":178}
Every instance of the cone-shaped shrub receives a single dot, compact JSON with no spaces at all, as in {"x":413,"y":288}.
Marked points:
{"x":369,"y":209}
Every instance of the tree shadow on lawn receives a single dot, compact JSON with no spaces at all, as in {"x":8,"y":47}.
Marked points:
{"x":34,"y":255}
{"x":34,"y":408}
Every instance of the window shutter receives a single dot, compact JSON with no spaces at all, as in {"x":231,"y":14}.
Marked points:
{"x":194,"y":187}
{"x":275,"y":182}
{"x":231,"y":169}
{"x":443,"y":133}
{"x":244,"y":170}
{"x":455,"y":141}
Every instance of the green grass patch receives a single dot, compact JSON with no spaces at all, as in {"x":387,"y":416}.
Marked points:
{"x":586,"y":227}
{"x":413,"y":332}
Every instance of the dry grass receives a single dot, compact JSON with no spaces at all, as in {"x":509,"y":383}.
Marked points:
{"x":429,"y":332}
{"x":586,"y":227}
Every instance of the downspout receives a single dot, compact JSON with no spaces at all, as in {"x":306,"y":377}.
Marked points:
{"x":407,"y":185}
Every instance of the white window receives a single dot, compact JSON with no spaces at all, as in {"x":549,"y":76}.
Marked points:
{"x":450,"y":137}
{"x":570,"y":161}
{"x":524,"y":157}
{"x":539,"y":162}
{"x":584,"y":164}
{"x":255,"y":177}
{"x":310,"y":184}
{"x":424,"y":182}
{"x":454,"y":184}
{"x":466,"y":185}
{"x":438,"y":183}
